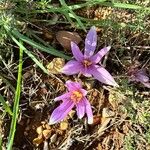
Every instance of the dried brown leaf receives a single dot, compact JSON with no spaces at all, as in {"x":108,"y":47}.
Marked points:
{"x":39,"y":130}
{"x":63,"y":125}
{"x":53,"y":138}
{"x":46,"y":134}
{"x":65,"y":38}
{"x":105,"y":122}
{"x":37,"y":141}
{"x":55,"y":65}
{"x":107,"y":113}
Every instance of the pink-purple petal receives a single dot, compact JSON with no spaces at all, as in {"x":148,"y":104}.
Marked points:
{"x":72,"y":67}
{"x":80,"y":107}
{"x":90,"y":42}
{"x":146,"y":84}
{"x":142,"y":76}
{"x":85,"y":71}
{"x":103,"y":75}
{"x":61,"y":112}
{"x":76,"y":52}
{"x":88,"y":110}
{"x":71,"y":86}
{"x":62,"y":97}
{"x":97,"y":57}
{"x":84,"y":92}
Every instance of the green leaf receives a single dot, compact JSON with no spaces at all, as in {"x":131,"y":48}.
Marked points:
{"x":0,"y":142}
{"x":25,"y":39}
{"x":30,"y":55}
{"x":16,"y":104}
{"x":125,"y":5}
{"x":63,"y":3}
{"x":5,"y":105}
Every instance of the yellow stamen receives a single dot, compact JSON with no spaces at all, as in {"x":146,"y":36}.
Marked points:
{"x":87,"y":63}
{"x":76,"y":96}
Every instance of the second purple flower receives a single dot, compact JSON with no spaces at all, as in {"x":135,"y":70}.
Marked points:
{"x":74,"y":97}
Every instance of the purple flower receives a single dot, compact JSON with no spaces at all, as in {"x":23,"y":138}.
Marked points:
{"x":74,"y":97}
{"x":140,"y":76}
{"x":87,"y":64}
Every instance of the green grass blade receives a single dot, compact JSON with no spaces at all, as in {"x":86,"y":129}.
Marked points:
{"x":86,"y":4}
{"x":61,"y":10}
{"x":65,"y":13}
{"x":109,"y":4}
{"x":102,"y":23}
{"x":39,"y":46}
{"x":0,"y":142}
{"x":32,"y":34}
{"x":30,"y":55}
{"x":16,"y":104}
{"x":63,"y":3}
{"x":124,"y":5}
{"x":5,"y":105}
{"x":25,"y":39}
